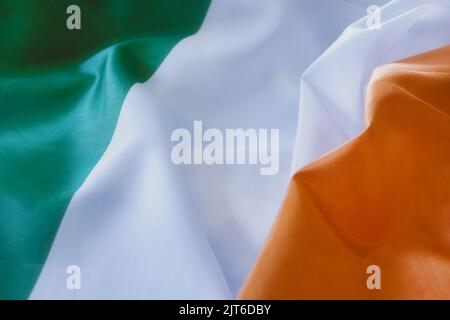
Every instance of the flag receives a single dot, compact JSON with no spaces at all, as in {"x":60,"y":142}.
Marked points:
{"x":147,"y":146}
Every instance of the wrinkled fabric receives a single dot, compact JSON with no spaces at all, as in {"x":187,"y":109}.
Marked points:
{"x":381,"y":199}
{"x":186,"y":232}
{"x":331,"y":105}
{"x":86,"y":177}
{"x":60,"y":97}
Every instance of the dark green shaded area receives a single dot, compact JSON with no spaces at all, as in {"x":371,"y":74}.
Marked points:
{"x":60,"y":95}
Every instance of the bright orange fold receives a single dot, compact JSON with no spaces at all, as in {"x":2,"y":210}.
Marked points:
{"x":381,"y":199}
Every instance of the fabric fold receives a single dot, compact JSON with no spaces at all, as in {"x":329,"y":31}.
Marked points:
{"x":381,"y":199}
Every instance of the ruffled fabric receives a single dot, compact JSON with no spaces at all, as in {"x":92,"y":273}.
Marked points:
{"x":381,"y":199}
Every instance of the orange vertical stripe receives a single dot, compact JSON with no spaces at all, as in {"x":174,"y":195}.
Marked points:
{"x":381,"y":199}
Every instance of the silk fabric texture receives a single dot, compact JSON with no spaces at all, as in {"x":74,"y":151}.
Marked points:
{"x":381,"y":199}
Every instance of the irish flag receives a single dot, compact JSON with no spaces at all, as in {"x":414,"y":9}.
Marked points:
{"x":222,"y":149}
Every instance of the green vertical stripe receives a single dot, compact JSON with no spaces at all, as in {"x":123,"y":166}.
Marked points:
{"x":60,"y":95}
